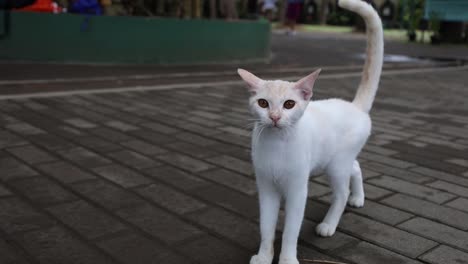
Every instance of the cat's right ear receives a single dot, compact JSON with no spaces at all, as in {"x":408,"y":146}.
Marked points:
{"x":252,"y":81}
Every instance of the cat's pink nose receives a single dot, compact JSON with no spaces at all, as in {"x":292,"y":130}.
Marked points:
{"x":275,"y":119}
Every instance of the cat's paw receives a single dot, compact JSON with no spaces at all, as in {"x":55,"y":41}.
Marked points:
{"x":356,"y":201}
{"x":261,"y":259}
{"x":325,"y":230}
{"x":288,"y":261}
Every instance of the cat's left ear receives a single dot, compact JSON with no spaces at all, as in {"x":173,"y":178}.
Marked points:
{"x":306,"y":84}
{"x":252,"y":81}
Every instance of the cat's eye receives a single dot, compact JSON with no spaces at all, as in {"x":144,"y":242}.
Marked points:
{"x":289,"y":104}
{"x":262,"y":103}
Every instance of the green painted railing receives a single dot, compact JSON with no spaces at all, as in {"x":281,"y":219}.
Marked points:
{"x":449,"y":10}
{"x":112,"y":39}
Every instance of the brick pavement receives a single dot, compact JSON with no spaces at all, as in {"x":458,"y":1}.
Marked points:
{"x":165,"y":177}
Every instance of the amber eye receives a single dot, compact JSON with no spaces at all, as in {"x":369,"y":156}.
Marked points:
{"x":289,"y":104}
{"x":263,"y":103}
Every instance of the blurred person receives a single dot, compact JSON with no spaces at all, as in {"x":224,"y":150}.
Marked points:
{"x":293,"y":12}
{"x":269,"y":8}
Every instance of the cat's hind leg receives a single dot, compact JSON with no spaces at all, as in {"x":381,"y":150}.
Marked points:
{"x":356,"y":199}
{"x":339,"y":176}
{"x":269,"y":199}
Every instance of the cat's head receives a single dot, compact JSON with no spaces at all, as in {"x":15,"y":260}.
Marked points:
{"x":278,"y":104}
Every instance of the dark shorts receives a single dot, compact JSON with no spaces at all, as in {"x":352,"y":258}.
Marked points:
{"x":294,"y":11}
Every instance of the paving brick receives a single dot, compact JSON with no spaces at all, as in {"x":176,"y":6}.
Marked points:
{"x":152,"y":137}
{"x":80,"y":123}
{"x":429,"y":210}
{"x":382,"y":213}
{"x":211,"y":250}
{"x":317,"y":190}
{"x":17,"y":216}
{"x":143,"y":147}
{"x":4,"y":191}
{"x":50,"y":142}
{"x":160,"y":128}
{"x":190,"y":149}
{"x":10,"y":254}
{"x":374,"y":193}
{"x":42,"y":191}
{"x":233,"y":164}
{"x":133,"y":248}
{"x":380,"y":150}
{"x":461,"y":162}
{"x":122,"y":176}
{"x":437,"y":232}
{"x":111,"y":134}
{"x":56,"y":246}
{"x":25,"y":129}
{"x":386,"y":160}
{"x":459,"y":203}
{"x":445,"y":255}
{"x":175,"y":177}
{"x":65,"y":172}
{"x":159,"y":224}
{"x":449,"y":187}
{"x":185,"y":162}
{"x":232,"y":180}
{"x":398,"y":173}
{"x":195,"y":139}
{"x":385,"y":236}
{"x":442,"y":175}
{"x":171,"y":199}
{"x":365,"y":253}
{"x":121,"y":126}
{"x":338,"y":240}
{"x":236,"y":131}
{"x":86,"y":219}
{"x":97,"y":144}
{"x":31,"y":154}
{"x":432,"y":163}
{"x":107,"y":194}
{"x":134,"y":160}
{"x":411,"y":189}
{"x":11,"y":168}
{"x":84,"y":157}
{"x":204,"y":122}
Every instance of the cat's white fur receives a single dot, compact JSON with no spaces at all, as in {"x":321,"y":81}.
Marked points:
{"x":288,"y":145}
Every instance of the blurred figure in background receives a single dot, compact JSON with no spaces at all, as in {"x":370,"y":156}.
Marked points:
{"x":269,"y":8}
{"x":293,"y":12}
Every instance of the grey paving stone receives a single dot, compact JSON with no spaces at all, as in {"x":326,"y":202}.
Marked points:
{"x":398,"y":173}
{"x":11,"y":168}
{"x":449,"y":187}
{"x":380,"y":150}
{"x":211,"y":250}
{"x":459,"y":203}
{"x":374,"y":193}
{"x":385,"y":236}
{"x":461,"y":162}
{"x":143,"y":147}
{"x":133,"y":248}
{"x":65,"y":172}
{"x":25,"y":129}
{"x":160,"y":128}
{"x":206,"y":114}
{"x":365,"y":253}
{"x":382,"y":213}
{"x":171,"y":199}
{"x":111,"y":134}
{"x":152,"y":137}
{"x":121,"y":126}
{"x":4,"y":191}
{"x":232,"y":180}
{"x":246,"y":234}
{"x":236,"y":131}
{"x":317,"y":190}
{"x":42,"y":191}
{"x":203,"y":121}
{"x":386,"y":160}
{"x":190,"y":149}
{"x":122,"y":176}
{"x":80,"y":123}
{"x":98,"y":144}
{"x":31,"y":154}
{"x":107,"y":194}
{"x":17,"y":216}
{"x":195,"y":139}
{"x":86,"y":219}
{"x":429,"y":210}
{"x":134,"y":160}
{"x":442,"y":175}
{"x":432,"y":163}
{"x":233,"y":164}
{"x":84,"y":157}
{"x":438,"y":232}
{"x":445,"y":255}
{"x":56,"y":246}
{"x":176,"y":178}
{"x":159,"y":224}
{"x":11,"y":255}
{"x":50,"y":142}
{"x":338,"y":240}
{"x":411,"y":189}
{"x":185,"y":162}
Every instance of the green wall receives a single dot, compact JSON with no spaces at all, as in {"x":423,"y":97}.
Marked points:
{"x":112,"y":39}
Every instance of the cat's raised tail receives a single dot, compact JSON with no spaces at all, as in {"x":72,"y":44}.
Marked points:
{"x":374,"y":52}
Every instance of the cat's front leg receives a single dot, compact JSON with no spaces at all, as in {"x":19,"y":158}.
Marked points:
{"x":296,"y":197}
{"x":269,"y":199}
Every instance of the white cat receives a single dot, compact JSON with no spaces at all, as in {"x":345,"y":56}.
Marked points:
{"x":294,"y":138}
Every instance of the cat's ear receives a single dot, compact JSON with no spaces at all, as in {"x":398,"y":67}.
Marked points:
{"x":306,"y":84}
{"x":252,"y":81}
